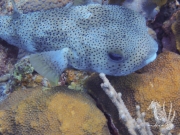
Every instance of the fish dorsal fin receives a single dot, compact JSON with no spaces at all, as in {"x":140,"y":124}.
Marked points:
{"x":50,"y":64}
{"x":16,"y":12}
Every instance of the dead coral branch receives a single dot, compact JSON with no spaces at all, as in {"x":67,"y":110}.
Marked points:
{"x":135,"y":127}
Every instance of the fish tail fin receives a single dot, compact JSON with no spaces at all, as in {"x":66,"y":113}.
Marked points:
{"x":50,"y":64}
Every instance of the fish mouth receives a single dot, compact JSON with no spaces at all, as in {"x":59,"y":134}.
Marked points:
{"x":152,"y":54}
{"x":150,"y":59}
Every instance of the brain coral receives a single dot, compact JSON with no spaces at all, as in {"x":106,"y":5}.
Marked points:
{"x":158,"y":81}
{"x":51,"y":112}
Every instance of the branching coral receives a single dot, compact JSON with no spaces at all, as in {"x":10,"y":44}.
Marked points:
{"x":134,"y":126}
{"x":165,"y":123}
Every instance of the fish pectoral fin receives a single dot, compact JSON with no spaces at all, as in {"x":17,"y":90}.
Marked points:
{"x":50,"y":64}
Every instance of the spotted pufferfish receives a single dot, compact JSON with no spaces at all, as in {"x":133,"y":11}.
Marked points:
{"x":100,"y":38}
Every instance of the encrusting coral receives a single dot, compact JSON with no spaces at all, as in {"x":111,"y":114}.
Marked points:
{"x":8,"y":56}
{"x":23,"y":76}
{"x":58,"y":111}
{"x":148,"y":8}
{"x":159,"y":2}
{"x":176,"y":30}
{"x":162,"y":25}
{"x":26,"y":6}
{"x":158,"y":81}
{"x":75,"y":79}
{"x":5,"y":7}
{"x":171,"y":28}
{"x":35,"y":5}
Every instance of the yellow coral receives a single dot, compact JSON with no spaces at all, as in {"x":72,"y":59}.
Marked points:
{"x":159,"y":2}
{"x":72,"y":117}
{"x":56,"y":112}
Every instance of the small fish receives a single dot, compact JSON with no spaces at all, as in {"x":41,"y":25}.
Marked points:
{"x":101,"y":38}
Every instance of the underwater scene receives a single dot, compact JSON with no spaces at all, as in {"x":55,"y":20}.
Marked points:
{"x":89,"y":67}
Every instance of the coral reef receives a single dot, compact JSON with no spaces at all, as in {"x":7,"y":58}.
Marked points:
{"x":158,"y":81}
{"x":3,"y":91}
{"x":23,"y":76}
{"x":176,"y":29}
{"x":148,"y":8}
{"x":26,"y":6}
{"x":5,"y":7}
{"x":116,"y":2}
{"x":8,"y":56}
{"x":35,"y":5}
{"x":57,"y":111}
{"x":75,"y":79}
{"x":159,"y":2}
{"x":162,"y":26}
{"x":170,"y":40}
{"x":22,"y":68}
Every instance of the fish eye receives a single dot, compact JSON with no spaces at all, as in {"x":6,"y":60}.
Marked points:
{"x":115,"y":57}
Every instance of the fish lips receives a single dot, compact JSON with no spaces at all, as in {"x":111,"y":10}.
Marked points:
{"x":150,"y":59}
{"x":152,"y":55}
